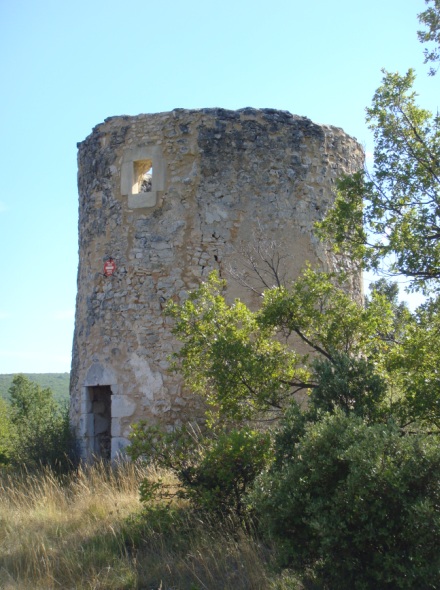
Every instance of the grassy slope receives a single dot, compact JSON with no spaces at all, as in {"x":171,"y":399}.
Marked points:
{"x":58,"y":383}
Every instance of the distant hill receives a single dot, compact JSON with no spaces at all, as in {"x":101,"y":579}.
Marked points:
{"x":58,"y":382}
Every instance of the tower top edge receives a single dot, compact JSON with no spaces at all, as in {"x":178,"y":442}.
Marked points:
{"x":218,"y":114}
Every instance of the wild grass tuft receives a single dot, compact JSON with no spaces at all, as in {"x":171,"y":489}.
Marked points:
{"x":88,"y":530}
{"x":59,"y":532}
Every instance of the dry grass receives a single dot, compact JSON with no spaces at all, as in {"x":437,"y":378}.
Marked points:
{"x":88,"y":532}
{"x":51,"y":530}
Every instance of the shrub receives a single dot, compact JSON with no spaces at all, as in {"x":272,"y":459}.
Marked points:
{"x":228,"y":468}
{"x":215,"y":471}
{"x":359,"y":503}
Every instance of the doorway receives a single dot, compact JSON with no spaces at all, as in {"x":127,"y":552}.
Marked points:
{"x":101,"y":401}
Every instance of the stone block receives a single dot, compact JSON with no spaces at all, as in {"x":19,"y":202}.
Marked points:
{"x":119,"y":444}
{"x":86,"y":425}
{"x":116,"y":427}
{"x":98,"y":374}
{"x":122,"y":406}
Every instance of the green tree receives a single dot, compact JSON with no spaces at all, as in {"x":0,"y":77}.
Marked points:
{"x":354,"y":494}
{"x":245,"y":363}
{"x":6,"y":434}
{"x":375,"y":360}
{"x":42,"y":434}
{"x":431,"y":19}
{"x":413,"y":363}
{"x":30,"y":402}
{"x":390,"y":219}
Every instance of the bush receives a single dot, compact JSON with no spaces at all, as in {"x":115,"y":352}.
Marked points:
{"x":359,"y":503}
{"x":215,"y":471}
{"x":228,"y":468}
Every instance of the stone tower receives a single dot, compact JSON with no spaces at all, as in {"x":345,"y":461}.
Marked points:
{"x":164,"y":199}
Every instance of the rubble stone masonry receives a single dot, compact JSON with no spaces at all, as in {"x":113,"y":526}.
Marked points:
{"x":170,"y":197}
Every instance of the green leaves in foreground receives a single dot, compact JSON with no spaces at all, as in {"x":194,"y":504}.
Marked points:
{"x":246,"y":365}
{"x":359,"y":503}
{"x":229,"y":357}
{"x":215,"y":469}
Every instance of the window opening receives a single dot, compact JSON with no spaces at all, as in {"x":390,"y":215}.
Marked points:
{"x":100,"y":398}
{"x":142,"y":177}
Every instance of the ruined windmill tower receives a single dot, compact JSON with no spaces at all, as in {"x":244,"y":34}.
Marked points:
{"x":164,"y":199}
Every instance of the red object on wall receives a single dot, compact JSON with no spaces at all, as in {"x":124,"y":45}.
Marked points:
{"x":109,"y":267}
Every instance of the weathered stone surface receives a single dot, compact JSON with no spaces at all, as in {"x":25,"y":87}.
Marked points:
{"x":219,"y":178}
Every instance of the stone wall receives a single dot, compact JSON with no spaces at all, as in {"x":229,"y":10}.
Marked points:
{"x":169,"y":197}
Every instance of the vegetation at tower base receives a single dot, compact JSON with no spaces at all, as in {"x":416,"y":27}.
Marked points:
{"x":357,"y":502}
{"x":215,"y":470}
{"x":34,"y":429}
{"x":372,"y":416}
{"x":351,"y":488}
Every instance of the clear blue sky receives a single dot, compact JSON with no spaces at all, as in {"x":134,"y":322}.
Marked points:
{"x":66,"y":66}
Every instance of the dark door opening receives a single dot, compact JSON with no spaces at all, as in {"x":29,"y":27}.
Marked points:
{"x":100,"y":397}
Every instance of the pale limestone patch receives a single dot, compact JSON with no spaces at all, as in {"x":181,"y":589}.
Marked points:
{"x":149,"y":382}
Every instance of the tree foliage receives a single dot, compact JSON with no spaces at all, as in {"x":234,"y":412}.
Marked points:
{"x":359,"y":503}
{"x":375,"y":359}
{"x":430,"y":18}
{"x":228,"y":356}
{"x":215,"y":469}
{"x":36,"y":429}
{"x":30,"y":402}
{"x":246,"y":363}
{"x":390,"y":219}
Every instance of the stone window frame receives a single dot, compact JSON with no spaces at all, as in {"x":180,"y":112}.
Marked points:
{"x":129,"y":159}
